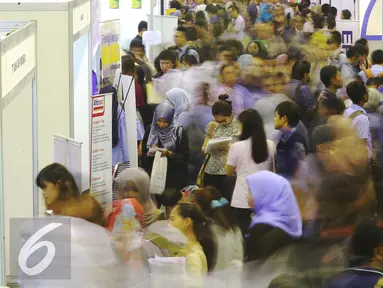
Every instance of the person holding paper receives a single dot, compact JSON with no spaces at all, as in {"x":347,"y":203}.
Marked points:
{"x":167,"y":136}
{"x":227,"y":126}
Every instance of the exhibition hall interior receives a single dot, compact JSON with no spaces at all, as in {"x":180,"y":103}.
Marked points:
{"x":191,"y":143}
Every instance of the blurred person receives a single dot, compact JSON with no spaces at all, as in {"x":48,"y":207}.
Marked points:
{"x":236,"y":45}
{"x":135,"y":183}
{"x":376,"y":69}
{"x":200,"y":251}
{"x":203,"y":31}
{"x":285,"y":62}
{"x":330,"y":25}
{"x":292,"y":147}
{"x":200,"y":5}
{"x":365,"y":61}
{"x":202,"y":15}
{"x":337,"y":54}
{"x":228,"y":85}
{"x":365,"y":253}
{"x":326,"y":9}
{"x":333,"y":185}
{"x":212,"y":10}
{"x":172,"y":140}
{"x":142,"y":27}
{"x":252,"y":153}
{"x":167,"y":61}
{"x":225,"y":125}
{"x":276,"y":221}
{"x":230,"y":250}
{"x":181,"y":101}
{"x":62,"y":196}
{"x":334,"y":11}
{"x":130,"y":68}
{"x":119,"y":133}
{"x":138,"y":50}
{"x":256,"y":49}
{"x":328,"y":101}
{"x":358,"y":93}
{"x":275,"y":45}
{"x":188,"y":61}
{"x":238,"y":24}
{"x":298,"y":91}
{"x":347,"y":68}
{"x":279,"y":20}
{"x":182,"y":44}
{"x":95,"y":258}
{"x":346,"y":15}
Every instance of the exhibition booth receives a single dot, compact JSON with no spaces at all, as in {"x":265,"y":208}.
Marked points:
{"x":64,"y":61}
{"x":18,"y":129}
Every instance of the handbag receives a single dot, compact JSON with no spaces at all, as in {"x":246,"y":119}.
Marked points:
{"x":200,"y":178}
{"x":158,"y":176}
{"x":152,"y":95}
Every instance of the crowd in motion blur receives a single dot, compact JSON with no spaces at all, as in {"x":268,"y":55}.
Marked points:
{"x":273,"y":136}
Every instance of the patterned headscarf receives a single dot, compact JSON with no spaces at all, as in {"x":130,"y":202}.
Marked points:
{"x":168,"y":136}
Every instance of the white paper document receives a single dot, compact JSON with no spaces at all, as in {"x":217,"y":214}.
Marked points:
{"x":218,"y":143}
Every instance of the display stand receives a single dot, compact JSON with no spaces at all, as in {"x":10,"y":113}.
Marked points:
{"x":68,"y":152}
{"x":18,"y":130}
{"x":64,"y":61}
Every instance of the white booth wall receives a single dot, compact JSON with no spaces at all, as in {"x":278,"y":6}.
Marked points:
{"x":18,"y":131}
{"x":59,"y":22}
{"x":370,"y":15}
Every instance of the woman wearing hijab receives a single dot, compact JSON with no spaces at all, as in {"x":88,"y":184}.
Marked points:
{"x":277,"y":220}
{"x":181,"y":100}
{"x":172,"y":139}
{"x":135,"y":183}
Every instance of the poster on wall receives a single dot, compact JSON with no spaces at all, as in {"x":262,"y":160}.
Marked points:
{"x":101,"y":180}
{"x":350,"y":30}
{"x":110,"y":48}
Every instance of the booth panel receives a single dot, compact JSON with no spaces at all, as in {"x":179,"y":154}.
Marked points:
{"x":82,"y":102}
{"x":17,"y":161}
{"x":53,"y":70}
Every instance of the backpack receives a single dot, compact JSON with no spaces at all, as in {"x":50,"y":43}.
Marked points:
{"x":369,"y":74}
{"x":197,"y":49}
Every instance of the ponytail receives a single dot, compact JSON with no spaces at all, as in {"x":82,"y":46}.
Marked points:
{"x":202,"y":231}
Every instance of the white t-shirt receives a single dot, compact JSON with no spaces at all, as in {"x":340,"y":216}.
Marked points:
{"x":240,"y":158}
{"x":239,"y":27}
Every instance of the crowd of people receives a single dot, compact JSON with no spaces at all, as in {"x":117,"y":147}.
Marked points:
{"x":299,"y":171}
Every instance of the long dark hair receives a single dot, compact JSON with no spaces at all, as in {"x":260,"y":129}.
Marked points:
{"x":57,"y":174}
{"x":252,"y":127}
{"x":201,"y":230}
{"x":223,"y":215}
{"x":115,"y":114}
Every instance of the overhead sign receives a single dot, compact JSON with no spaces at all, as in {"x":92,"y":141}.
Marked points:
{"x":81,"y":17}
{"x":17,"y":63}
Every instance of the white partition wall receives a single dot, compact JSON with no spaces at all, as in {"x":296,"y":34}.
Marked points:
{"x":64,"y":61}
{"x":18,"y":125}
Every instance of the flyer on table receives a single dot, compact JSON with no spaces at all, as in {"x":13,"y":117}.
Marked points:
{"x":101,"y":150}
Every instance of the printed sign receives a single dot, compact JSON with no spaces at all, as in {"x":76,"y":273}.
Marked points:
{"x":28,"y":236}
{"x":110,"y":48}
{"x":81,"y":17}
{"x":101,"y":180}
{"x":350,"y":32}
{"x":17,"y":63}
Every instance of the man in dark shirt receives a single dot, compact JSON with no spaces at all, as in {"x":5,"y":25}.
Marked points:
{"x":142,"y":27}
{"x":292,"y":147}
